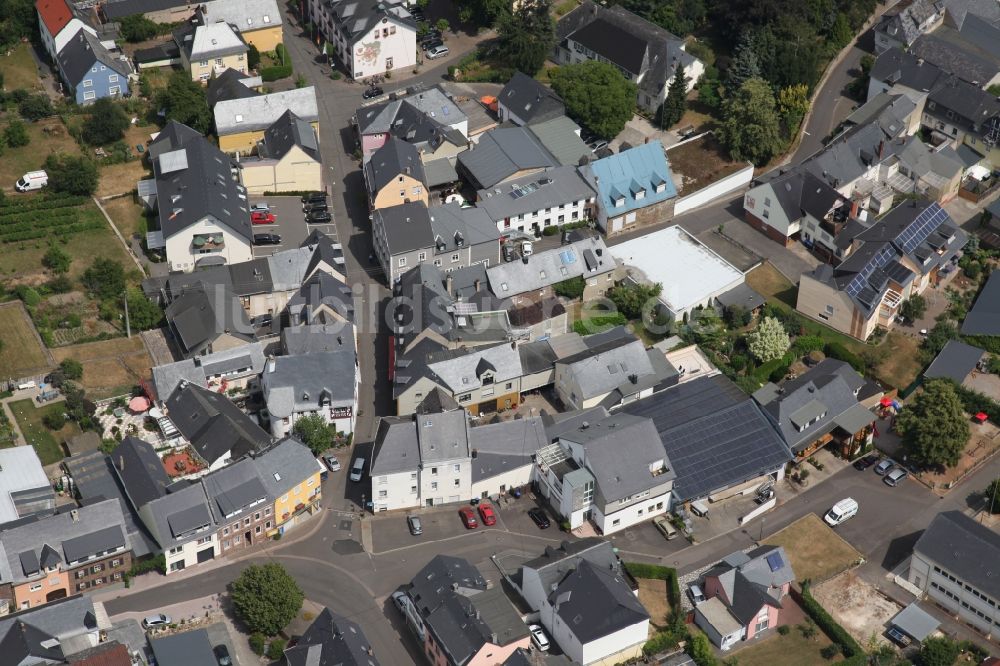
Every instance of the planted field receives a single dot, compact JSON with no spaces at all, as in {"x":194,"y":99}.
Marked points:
{"x":21,"y":353}
{"x":29,"y":218}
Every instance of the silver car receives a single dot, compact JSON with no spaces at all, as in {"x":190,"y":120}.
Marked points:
{"x":158,"y":620}
{"x":437,"y":52}
{"x":895,"y":476}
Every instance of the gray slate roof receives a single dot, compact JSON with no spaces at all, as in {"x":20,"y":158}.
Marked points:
{"x":554,"y":187}
{"x":288,"y":131}
{"x":561,"y":137}
{"x":897,"y":66}
{"x":407,"y":227}
{"x":421,"y":117}
{"x":947,"y":49}
{"x":587,"y":257}
{"x":502,"y":447}
{"x":915,"y":622}
{"x":198,"y":369}
{"x":955,"y":361}
{"x":529,"y":100}
{"x":285,"y":465}
{"x":24,"y":636}
{"x":501,"y":153}
{"x":596,"y":602}
{"x":190,"y":648}
{"x":440,"y":577}
{"x":713,"y":434}
{"x":965,"y":548}
{"x":213,"y":424}
{"x":608,"y":364}
{"x":331,"y":639}
{"x":356,"y":17}
{"x":456,"y":226}
{"x":306,"y":382}
{"x":22,"y":476}
{"x":200,"y":316}
{"x":228,"y":85}
{"x":234,"y":488}
{"x":80,"y":54}
{"x":904,"y":25}
{"x":984,"y":316}
{"x":194,"y":180}
{"x":395,"y":158}
{"x":235,"y":116}
{"x":140,"y":470}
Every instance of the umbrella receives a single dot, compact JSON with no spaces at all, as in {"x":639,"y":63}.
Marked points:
{"x":138,"y":404}
{"x":981,"y":417}
{"x":886,"y":401}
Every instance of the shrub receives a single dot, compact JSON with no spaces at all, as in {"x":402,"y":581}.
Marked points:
{"x":276,"y":72}
{"x":599,"y":324}
{"x":571,"y":288}
{"x":830,"y":651}
{"x":72,"y":174}
{"x":837,"y":633}
{"x":35,"y":107}
{"x":276,"y":649}
{"x":807,"y":343}
{"x":137,"y":28}
{"x":839,"y":352}
{"x":71,"y":368}
{"x":257,"y":641}
{"x":16,"y":134}
{"x":54,"y":420}
{"x":28,"y":295}
{"x":784,"y":630}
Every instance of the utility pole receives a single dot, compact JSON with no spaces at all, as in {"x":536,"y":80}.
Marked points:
{"x":128,"y":327}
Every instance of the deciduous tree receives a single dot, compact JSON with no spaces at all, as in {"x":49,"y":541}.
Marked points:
{"x":104,"y":279}
{"x":913,"y":308}
{"x":184,"y":101}
{"x":16,"y":134}
{"x":597,"y":96}
{"x":750,"y":127}
{"x":769,"y":340}
{"x":266,"y":598}
{"x":526,"y":36}
{"x":630,"y":298}
{"x":934,"y":428}
{"x":314,"y":432}
{"x":57,"y":259}
{"x":106,"y":123}
{"x":72,"y":174}
{"x":793,"y":103}
{"x":71,"y":368}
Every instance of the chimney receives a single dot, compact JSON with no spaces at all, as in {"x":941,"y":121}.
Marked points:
{"x":449,"y":285}
{"x":854,"y":208}
{"x":121,"y":463}
{"x":881,"y":147}
{"x":270,"y":365}
{"x":75,"y":515}
{"x":476,"y":284}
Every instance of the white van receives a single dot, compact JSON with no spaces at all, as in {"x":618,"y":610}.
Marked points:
{"x":33,"y":180}
{"x":841,"y":511}
{"x":357,"y":469}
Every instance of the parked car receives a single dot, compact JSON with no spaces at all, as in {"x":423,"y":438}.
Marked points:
{"x":33,"y":180}
{"x":841,"y":511}
{"x":468,"y":517}
{"x":487,"y":513}
{"x":319,"y":217}
{"x":222,"y":655}
{"x":399,"y":598}
{"x":431,"y":44}
{"x":895,"y":476}
{"x":666,"y":529}
{"x":898,"y":637}
{"x":597,"y":145}
{"x":437,"y":52}
{"x":261,"y":217}
{"x":332,"y":463}
{"x":263,"y":320}
{"x":538,"y":637}
{"x":158,"y":620}
{"x":884,"y":467}
{"x":357,"y":469}
{"x":861,"y":464}
{"x":372,"y":92}
{"x":315,"y":207}
{"x":266,"y":239}
{"x":259,"y":206}
{"x":314,"y":196}
{"x":413,"y":522}
{"x":430,"y":36}
{"x":694,"y":591}
{"x":539,"y":518}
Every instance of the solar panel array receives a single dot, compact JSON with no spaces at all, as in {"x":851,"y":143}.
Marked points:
{"x":917,"y":231}
{"x":774,"y":561}
{"x":860,"y":281}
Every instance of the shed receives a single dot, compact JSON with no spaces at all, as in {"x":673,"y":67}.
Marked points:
{"x":915,"y":622}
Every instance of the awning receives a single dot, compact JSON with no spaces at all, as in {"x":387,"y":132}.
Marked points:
{"x":915,"y":622}
{"x":885,"y":402}
{"x":155,"y":240}
{"x":981,"y":417}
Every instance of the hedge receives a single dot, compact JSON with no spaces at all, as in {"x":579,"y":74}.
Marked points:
{"x":974,"y":402}
{"x":676,"y":632}
{"x":276,"y":72}
{"x":841,"y":353}
{"x":774,"y":370}
{"x":990,"y":343}
{"x":848,"y":646}
{"x":599,"y":324}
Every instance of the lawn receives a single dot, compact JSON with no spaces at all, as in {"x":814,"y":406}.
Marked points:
{"x":127,"y":215}
{"x":793,"y":648}
{"x":122,"y":178}
{"x":47,"y":136}
{"x":816,"y":552}
{"x":110,"y":367}
{"x":903,"y":361}
{"x":22,"y":352}
{"x":19,"y":69}
{"x":24,"y":259}
{"x":701,"y":162}
{"x":47,"y":443}
{"x":653,"y":596}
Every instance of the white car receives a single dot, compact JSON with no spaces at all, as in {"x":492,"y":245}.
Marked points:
{"x":841,"y":511}
{"x":538,"y":637}
{"x":400,"y":599}
{"x":437,"y":52}
{"x":158,"y":620}
{"x":332,"y":463}
{"x":260,"y":206}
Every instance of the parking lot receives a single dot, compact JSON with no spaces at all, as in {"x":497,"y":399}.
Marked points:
{"x":289,"y":223}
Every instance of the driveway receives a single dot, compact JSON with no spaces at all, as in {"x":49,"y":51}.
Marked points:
{"x":289,"y":223}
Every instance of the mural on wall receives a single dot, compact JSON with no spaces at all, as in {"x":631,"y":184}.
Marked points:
{"x":368,"y":53}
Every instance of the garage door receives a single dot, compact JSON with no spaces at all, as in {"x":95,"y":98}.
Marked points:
{"x":206,"y":555}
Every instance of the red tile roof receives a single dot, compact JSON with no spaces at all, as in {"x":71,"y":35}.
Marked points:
{"x":55,"y":14}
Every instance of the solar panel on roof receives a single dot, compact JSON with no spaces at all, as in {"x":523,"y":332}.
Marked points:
{"x":567,"y":256}
{"x":774,"y":561}
{"x":917,"y":231}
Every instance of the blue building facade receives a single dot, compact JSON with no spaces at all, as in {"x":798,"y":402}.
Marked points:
{"x":90,"y":71}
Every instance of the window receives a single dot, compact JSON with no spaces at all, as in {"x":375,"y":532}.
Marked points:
{"x":113,"y":78}
{"x":236,"y":525}
{"x":256,"y":530}
{"x":115,"y":563}
{"x":225,"y":531}
{"x":767,"y":214}
{"x":382,"y":494}
{"x":90,"y":94}
{"x":509,"y":386}
{"x":208,"y":539}
{"x":829,"y":309}
{"x":767,"y":201}
{"x":458,"y":482}
{"x":99,"y":581}
{"x":98,"y":568}
{"x":267,"y":525}
{"x":175,"y":550}
{"x":203,"y":63}
{"x":413,"y":489}
{"x":226,"y":544}
{"x":616,"y":522}
{"x":117,"y":575}
{"x":256,"y":516}
{"x":458,"y":468}
{"x":434,"y":471}
{"x":87,"y":83}
{"x":267,"y":511}
{"x":465,"y":397}
{"x":434,"y":485}
{"x":422,"y":256}
{"x":382,"y":480}
{"x":402,"y":261}
{"x":236,"y":539}
{"x":246,"y":521}
{"x":454,"y":257}
{"x":35,"y":587}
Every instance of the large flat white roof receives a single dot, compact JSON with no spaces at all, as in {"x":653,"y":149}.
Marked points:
{"x":20,"y":469}
{"x":689,"y":271}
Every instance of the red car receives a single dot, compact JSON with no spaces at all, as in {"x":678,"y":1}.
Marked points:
{"x":487,"y":513}
{"x":468,"y":517}
{"x":262,"y":217}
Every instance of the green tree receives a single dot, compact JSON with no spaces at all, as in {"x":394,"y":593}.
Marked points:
{"x":35,"y":107}
{"x":597,"y":96}
{"x":143,"y":313}
{"x":750,"y":127}
{"x":938,"y":337}
{"x":994,"y":90}
{"x":106,"y":123}
{"x":71,"y":369}
{"x":72,"y":174}
{"x":630,"y":297}
{"x":253,"y":56}
{"x":18,"y":21}
{"x":933,"y":426}
{"x":16,"y":134}
{"x":314,"y":432}
{"x":840,"y":33}
{"x":793,"y":103}
{"x":672,"y":110}
{"x":571,"y":288}
{"x":28,"y":296}
{"x":57,"y":259}
{"x":138,"y":28}
{"x":276,"y":648}
{"x":184,"y":101}
{"x":743,"y":66}
{"x":525,"y":37}
{"x":913,"y":308}
{"x":442,"y":25}
{"x":54,"y":420}
{"x":769,"y":340}
{"x":701,"y":650}
{"x":709,"y":88}
{"x":266,"y":598}
{"x":104,"y":279}
{"x":992,"y":496}
{"x":938,"y":651}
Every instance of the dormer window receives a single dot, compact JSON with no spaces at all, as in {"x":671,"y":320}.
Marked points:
{"x":660,"y":187}
{"x":619,"y":201}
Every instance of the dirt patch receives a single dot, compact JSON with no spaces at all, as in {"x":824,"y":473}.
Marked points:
{"x":111,"y":366}
{"x":653,"y":595}
{"x":700,"y":163}
{"x":816,"y":551}
{"x":857,"y":606}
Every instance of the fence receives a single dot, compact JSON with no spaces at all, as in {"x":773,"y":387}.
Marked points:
{"x":730,"y":183}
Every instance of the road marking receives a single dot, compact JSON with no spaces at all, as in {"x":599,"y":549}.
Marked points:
{"x":806,"y":133}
